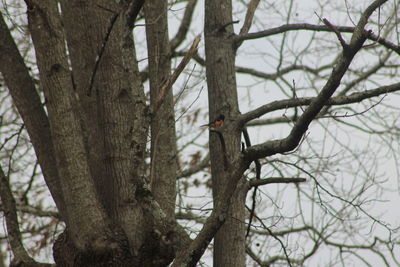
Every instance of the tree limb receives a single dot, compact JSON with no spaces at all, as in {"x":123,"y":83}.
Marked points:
{"x":23,"y":92}
{"x":292,"y":140}
{"x":269,"y":121}
{"x":334,"y":101}
{"x":246,"y":137}
{"x":195,"y":168}
{"x":48,"y":39}
{"x":256,"y":73}
{"x":251,"y":9}
{"x":191,"y":255}
{"x":337,"y":32}
{"x":312,"y":27}
{"x":132,"y":12}
{"x":184,"y":26}
{"x":274,"y":76}
{"x":36,"y":211}
{"x":273,"y":180}
{"x":21,"y":257}
{"x":167,"y":85}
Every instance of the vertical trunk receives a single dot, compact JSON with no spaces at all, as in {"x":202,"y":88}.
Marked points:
{"x":86,"y":218}
{"x":229,"y":248}
{"x":163,"y":139}
{"x":84,"y":42}
{"x":28,"y":103}
{"x":109,"y":87}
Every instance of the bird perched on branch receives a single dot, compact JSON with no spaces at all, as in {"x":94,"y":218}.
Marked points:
{"x":216,"y":123}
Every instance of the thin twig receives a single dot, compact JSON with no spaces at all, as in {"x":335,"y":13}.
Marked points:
{"x":258,"y":176}
{"x":337,"y":32}
{"x":277,"y":239}
{"x":167,"y":85}
{"x":251,"y":9}
{"x":226,"y":25}
{"x":101,"y":52}
{"x":21,"y":256}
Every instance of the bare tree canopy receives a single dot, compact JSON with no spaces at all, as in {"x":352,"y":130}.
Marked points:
{"x":103,"y":162}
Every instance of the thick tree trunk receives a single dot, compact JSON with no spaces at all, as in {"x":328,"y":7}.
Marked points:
{"x":85,"y":216}
{"x":84,"y":43}
{"x":93,"y":129}
{"x":163,"y":138}
{"x":229,"y":248}
{"x":108,"y":84}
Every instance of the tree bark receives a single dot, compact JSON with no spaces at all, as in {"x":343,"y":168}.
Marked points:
{"x":86,"y":218}
{"x":10,"y":211}
{"x":163,"y":138}
{"x":27,"y":101}
{"x":229,"y":242}
{"x":83,"y":43}
{"x":107,"y":81}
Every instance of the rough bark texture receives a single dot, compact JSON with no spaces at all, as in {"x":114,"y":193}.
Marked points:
{"x":27,"y":101}
{"x":80,"y":198}
{"x":83,"y":44}
{"x":90,"y":137}
{"x":106,"y":80}
{"x":229,"y":249}
{"x":14,"y":234}
{"x":163,"y":139}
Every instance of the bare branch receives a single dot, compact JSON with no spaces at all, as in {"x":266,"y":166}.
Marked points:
{"x":334,"y":101}
{"x":256,"y":73}
{"x":284,"y":232}
{"x":289,"y":261}
{"x":274,"y":76}
{"x":248,"y":20}
{"x":191,"y":255}
{"x":223,"y":27}
{"x":37,"y":211}
{"x":133,"y":11}
{"x":27,"y":100}
{"x":312,"y":27}
{"x":251,"y":9}
{"x":14,"y":235}
{"x":337,"y":32}
{"x":292,"y":140}
{"x":258,"y":177}
{"x":189,"y":216}
{"x":290,"y":27}
{"x":184,"y":26}
{"x":48,"y":39}
{"x":273,"y":180}
{"x":172,"y":78}
{"x":269,"y":121}
{"x":195,"y":168}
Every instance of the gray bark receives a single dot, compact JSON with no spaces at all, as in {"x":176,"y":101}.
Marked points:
{"x":163,"y":139}
{"x":229,"y":245}
{"x":80,"y":198}
{"x":27,"y":101}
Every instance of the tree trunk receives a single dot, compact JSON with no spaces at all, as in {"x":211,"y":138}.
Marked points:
{"x":229,"y":248}
{"x":69,"y":149}
{"x":163,"y":138}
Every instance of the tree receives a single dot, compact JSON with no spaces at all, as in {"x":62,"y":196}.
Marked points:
{"x":108,"y":151}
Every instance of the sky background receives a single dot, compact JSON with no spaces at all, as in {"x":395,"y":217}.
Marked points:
{"x":351,"y":156}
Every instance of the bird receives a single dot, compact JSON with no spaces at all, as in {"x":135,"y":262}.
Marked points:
{"x":218,"y":123}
